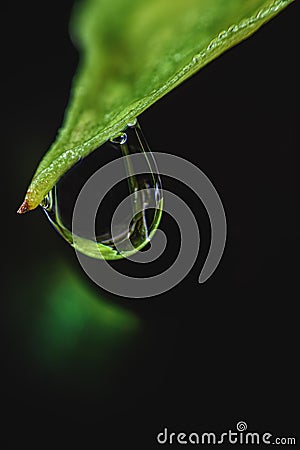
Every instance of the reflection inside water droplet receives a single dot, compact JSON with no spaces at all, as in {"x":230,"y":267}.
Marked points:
{"x":145,"y":188}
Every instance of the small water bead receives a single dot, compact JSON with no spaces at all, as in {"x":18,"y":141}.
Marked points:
{"x":132,"y":122}
{"x":119,"y":139}
{"x":47,"y":201}
{"x":145,"y":190}
{"x":222,"y":34}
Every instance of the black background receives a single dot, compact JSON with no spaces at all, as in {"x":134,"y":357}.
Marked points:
{"x":207,"y":355}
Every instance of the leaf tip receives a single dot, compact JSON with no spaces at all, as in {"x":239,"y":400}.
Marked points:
{"x":24,"y":207}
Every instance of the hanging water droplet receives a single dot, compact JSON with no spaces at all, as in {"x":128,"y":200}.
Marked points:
{"x":47,"y":201}
{"x":119,"y":139}
{"x":132,"y":122}
{"x":145,"y":190}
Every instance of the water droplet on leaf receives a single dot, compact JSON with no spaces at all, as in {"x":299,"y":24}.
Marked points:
{"x":60,"y":201}
{"x":119,"y":139}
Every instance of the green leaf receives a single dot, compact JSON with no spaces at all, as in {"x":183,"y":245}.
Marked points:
{"x":133,"y":52}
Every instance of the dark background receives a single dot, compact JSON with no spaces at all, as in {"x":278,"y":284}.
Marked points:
{"x":84,"y":368}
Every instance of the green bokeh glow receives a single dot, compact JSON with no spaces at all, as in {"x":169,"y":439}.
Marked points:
{"x":78,"y":327}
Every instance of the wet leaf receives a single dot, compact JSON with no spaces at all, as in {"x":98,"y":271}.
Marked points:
{"x":133,"y":52}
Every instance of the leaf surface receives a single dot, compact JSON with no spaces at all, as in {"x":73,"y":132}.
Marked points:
{"x":133,"y":52}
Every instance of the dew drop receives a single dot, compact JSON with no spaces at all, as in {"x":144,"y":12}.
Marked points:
{"x":222,"y":34}
{"x":119,"y":139}
{"x":46,"y":203}
{"x":260,"y":14}
{"x":132,"y":122}
{"x":145,"y":189}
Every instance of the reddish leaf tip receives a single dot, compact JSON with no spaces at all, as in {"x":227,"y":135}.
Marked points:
{"x":23,"y":208}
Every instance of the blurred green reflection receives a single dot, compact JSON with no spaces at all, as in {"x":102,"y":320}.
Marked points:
{"x":77,"y":326}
